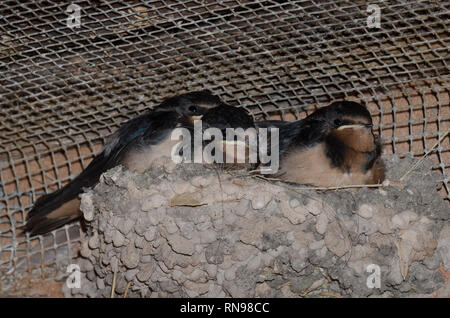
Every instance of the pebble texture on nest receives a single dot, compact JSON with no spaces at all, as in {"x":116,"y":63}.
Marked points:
{"x":187,"y":231}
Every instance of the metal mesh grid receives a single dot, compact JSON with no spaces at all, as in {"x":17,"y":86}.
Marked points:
{"x":63,"y":90}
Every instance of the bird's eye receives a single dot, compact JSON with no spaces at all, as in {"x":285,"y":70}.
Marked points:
{"x":337,"y":122}
{"x":193,"y":109}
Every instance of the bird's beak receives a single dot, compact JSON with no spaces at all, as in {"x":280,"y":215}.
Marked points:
{"x":354,"y":126}
{"x":192,"y":119}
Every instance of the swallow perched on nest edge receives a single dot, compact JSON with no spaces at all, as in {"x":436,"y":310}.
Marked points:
{"x":334,"y":146}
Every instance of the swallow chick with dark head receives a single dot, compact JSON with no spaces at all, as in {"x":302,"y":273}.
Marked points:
{"x":334,"y":146}
{"x":234,"y":134}
{"x":136,"y":145}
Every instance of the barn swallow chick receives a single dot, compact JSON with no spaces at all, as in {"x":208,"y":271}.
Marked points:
{"x":334,"y":146}
{"x":229,"y":137}
{"x":136,"y":144}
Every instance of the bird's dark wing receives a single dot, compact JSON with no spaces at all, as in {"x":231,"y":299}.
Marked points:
{"x":296,"y":134}
{"x":303,"y":133}
{"x":62,"y":206}
{"x":271,"y":123}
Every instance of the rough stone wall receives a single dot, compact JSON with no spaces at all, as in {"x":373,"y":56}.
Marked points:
{"x":189,"y":231}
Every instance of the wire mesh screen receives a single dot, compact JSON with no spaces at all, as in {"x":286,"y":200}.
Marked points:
{"x":64,"y":86}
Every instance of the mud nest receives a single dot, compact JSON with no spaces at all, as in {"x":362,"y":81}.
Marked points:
{"x":187,"y":231}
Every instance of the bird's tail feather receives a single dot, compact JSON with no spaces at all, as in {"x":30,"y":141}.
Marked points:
{"x":62,"y":206}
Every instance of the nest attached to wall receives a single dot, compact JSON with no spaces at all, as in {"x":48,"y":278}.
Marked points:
{"x":187,"y":231}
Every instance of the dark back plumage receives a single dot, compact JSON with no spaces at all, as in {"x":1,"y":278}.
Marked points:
{"x":339,"y":111}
